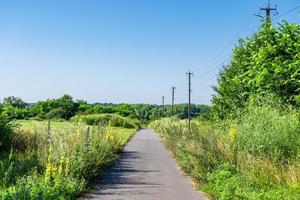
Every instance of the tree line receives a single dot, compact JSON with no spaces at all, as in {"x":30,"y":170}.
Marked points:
{"x":66,"y":107}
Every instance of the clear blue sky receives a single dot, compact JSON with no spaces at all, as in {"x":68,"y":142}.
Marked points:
{"x":120,"y":50}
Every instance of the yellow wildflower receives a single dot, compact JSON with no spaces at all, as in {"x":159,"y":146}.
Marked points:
{"x":109,"y":133}
{"x":67,"y":166}
{"x":60,"y":168}
{"x":49,"y":167}
{"x":233,"y":134}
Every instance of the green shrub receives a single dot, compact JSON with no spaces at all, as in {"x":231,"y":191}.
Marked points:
{"x":56,"y":113}
{"x":227,"y":183}
{"x":267,"y":62}
{"x":265,"y":130}
{"x":105,"y":119}
{"x":5,"y":132}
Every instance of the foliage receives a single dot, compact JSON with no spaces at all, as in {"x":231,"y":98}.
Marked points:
{"x":267,"y":63}
{"x":255,"y":156}
{"x":265,"y":130}
{"x":15,"y":108}
{"x":15,"y":102}
{"x":58,"y":159}
{"x":104,"y":119}
{"x":63,"y":107}
{"x":148,"y":113}
{"x":5,"y":132}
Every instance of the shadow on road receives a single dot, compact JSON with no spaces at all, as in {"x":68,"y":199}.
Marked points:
{"x":123,"y":177}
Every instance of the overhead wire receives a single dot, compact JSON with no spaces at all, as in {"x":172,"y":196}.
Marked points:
{"x":219,"y":65}
{"x":183,"y":81}
{"x":213,"y":69}
{"x":287,"y":12}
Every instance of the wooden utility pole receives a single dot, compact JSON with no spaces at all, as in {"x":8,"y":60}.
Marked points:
{"x":268,"y":9}
{"x":173,"y":92}
{"x":189,"y":74}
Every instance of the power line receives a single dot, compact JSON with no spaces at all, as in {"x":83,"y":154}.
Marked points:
{"x":182,"y":85}
{"x":288,"y":12}
{"x":222,"y":51}
{"x":213,"y":69}
{"x":268,"y":10}
{"x":181,"y":81}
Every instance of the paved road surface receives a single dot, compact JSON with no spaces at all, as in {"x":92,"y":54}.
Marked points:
{"x":144,"y":171}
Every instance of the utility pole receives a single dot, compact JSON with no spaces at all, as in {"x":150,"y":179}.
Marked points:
{"x":268,"y":9}
{"x":163,"y":102}
{"x":189,"y":74}
{"x":173,"y":92}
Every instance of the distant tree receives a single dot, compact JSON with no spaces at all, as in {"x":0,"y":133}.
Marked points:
{"x":143,"y":111}
{"x":67,"y":106}
{"x":15,"y":102}
{"x":124,"y":110}
{"x":63,"y":107}
{"x":84,"y":107}
{"x":15,"y":108}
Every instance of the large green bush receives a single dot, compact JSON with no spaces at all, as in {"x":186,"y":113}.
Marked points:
{"x":266,"y":63}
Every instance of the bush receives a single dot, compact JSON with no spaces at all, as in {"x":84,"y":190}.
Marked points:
{"x":265,"y":130}
{"x":5,"y":132}
{"x":56,"y":113}
{"x":267,"y":62}
{"x":105,"y":119}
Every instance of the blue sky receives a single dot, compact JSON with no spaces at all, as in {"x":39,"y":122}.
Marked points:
{"x":121,"y":50}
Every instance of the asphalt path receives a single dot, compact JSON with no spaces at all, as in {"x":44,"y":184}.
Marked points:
{"x":145,"y":170}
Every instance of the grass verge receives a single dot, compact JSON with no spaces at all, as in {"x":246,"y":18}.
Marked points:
{"x":253,"y":157}
{"x":57,"y":160}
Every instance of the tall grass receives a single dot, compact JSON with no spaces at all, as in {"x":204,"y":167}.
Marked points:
{"x":56,"y":162}
{"x":255,"y":156}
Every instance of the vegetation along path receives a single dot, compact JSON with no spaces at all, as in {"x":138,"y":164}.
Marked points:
{"x":145,"y":170}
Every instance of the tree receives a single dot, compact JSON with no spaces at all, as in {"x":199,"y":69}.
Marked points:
{"x":15,"y":108}
{"x":15,"y":102}
{"x":63,"y":107}
{"x":67,"y":105}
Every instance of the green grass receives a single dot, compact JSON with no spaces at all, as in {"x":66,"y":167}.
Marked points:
{"x":32,"y":126}
{"x":255,"y":156}
{"x":57,"y":161}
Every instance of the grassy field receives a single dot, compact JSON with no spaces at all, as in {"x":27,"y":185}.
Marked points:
{"x":57,"y":160}
{"x":60,"y":128}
